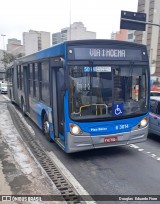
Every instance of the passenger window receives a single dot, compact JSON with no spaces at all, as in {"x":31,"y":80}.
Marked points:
{"x":30,"y":79}
{"x":153,"y":106}
{"x":35,"y":81}
{"x":44,"y":82}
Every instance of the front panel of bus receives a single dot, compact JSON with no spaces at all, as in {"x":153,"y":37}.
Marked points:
{"x":107,"y":96}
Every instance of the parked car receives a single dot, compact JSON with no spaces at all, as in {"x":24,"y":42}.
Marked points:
{"x":3,"y":87}
{"x":154,"y":125}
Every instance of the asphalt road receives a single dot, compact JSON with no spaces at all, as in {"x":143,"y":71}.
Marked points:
{"x":127,"y":170}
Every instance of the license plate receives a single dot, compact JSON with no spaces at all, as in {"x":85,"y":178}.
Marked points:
{"x":110,"y":139}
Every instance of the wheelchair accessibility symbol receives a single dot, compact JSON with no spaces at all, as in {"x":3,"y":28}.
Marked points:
{"x":118,"y":109}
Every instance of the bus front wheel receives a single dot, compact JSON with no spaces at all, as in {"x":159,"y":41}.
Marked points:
{"x":23,"y":107}
{"x":45,"y":127}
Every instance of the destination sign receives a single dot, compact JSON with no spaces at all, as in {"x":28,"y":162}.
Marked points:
{"x":105,"y":54}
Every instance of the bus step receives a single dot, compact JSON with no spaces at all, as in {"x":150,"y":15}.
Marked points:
{"x":60,"y":142}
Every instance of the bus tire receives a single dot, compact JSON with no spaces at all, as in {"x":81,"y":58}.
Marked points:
{"x":45,"y":127}
{"x":10,"y":94}
{"x":23,"y":107}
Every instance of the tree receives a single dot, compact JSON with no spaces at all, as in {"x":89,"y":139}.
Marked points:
{"x":7,"y":58}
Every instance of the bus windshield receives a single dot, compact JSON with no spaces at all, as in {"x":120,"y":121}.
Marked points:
{"x":107,"y":92}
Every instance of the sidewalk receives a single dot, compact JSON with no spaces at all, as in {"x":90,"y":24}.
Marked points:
{"x":20,"y":174}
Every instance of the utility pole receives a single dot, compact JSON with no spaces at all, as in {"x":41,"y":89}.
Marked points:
{"x":140,"y":22}
{"x":3,"y":41}
{"x":70,"y":8}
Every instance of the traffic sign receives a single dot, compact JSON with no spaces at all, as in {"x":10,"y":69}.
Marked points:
{"x":133,"y":20}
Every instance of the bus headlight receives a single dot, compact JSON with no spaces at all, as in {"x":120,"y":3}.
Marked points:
{"x":75,"y":129}
{"x":144,"y":122}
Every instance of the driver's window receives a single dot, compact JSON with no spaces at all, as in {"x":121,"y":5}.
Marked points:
{"x":60,"y":93}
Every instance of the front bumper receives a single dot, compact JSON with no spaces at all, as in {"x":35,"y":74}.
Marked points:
{"x":81,"y":143}
{"x":3,"y":91}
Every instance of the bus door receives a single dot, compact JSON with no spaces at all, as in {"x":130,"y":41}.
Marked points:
{"x":26,"y":88}
{"x":57,"y":79}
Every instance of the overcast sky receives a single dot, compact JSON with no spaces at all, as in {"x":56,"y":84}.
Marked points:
{"x":100,"y":16}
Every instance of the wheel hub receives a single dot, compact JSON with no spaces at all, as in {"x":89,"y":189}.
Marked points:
{"x":46,"y":127}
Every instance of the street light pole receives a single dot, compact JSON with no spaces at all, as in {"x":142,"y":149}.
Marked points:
{"x":3,"y":41}
{"x":70,"y":8}
{"x":140,"y":22}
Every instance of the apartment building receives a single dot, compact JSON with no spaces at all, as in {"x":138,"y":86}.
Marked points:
{"x":14,"y":47}
{"x":77,"y":31}
{"x":123,"y":34}
{"x":1,"y":57}
{"x":151,"y":37}
{"x":34,"y":41}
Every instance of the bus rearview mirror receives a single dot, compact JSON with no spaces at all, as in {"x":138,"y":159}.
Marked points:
{"x":56,"y":63}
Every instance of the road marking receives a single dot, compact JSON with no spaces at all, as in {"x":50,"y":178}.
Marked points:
{"x":140,"y":150}
{"x":134,"y":146}
{"x":150,"y":154}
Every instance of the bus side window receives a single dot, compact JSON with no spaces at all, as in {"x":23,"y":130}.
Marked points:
{"x":35,"y":81}
{"x":19,"y":76}
{"x":60,"y":94}
{"x":30,"y":79}
{"x":44,"y":82}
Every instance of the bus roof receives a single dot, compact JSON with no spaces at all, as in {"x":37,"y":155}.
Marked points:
{"x":102,"y":41}
{"x":60,"y":49}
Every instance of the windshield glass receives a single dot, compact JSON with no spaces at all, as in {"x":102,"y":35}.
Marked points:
{"x":4,"y":85}
{"x":103,"y":92}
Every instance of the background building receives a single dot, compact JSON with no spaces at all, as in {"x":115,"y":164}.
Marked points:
{"x":123,"y":34}
{"x":14,"y":47}
{"x":151,"y":37}
{"x":2,"y":69}
{"x":2,"y":75}
{"x":34,"y":41}
{"x":120,"y":35}
{"x":131,"y":36}
{"x":1,"y":57}
{"x":76,"y":31}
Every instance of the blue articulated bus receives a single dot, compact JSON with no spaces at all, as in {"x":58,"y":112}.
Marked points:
{"x":85,"y":94}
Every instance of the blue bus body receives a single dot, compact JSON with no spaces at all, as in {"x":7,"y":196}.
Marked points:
{"x":85,"y":94}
